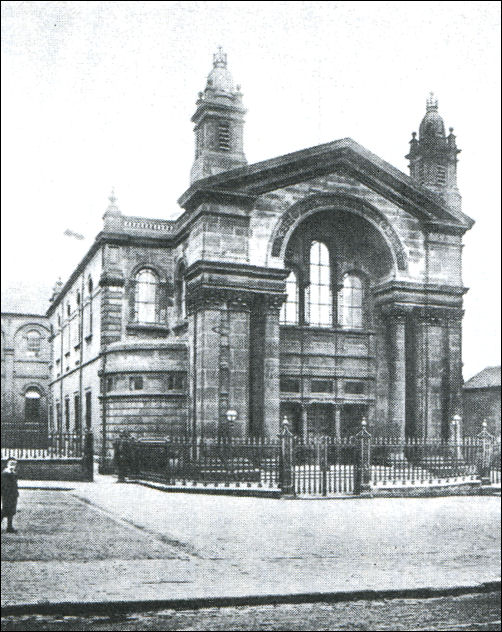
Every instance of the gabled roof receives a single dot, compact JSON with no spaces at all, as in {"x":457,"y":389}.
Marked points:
{"x":487,"y":378}
{"x":343,"y":156}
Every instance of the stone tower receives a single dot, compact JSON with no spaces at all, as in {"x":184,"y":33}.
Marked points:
{"x":219,"y":123}
{"x":433,"y":156}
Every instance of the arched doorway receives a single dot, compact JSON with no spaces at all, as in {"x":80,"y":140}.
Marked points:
{"x":34,"y":430}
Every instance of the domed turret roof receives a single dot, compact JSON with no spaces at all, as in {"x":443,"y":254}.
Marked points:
{"x":432,"y":125}
{"x":220,"y":79}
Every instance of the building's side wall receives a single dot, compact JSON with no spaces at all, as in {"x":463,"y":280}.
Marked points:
{"x":482,"y":404}
{"x":75,"y":364}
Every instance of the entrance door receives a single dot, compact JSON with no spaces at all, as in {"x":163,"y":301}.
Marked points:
{"x":320,"y":420}
{"x":352,"y":415}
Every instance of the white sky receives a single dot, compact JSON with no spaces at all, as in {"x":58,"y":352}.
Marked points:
{"x":100,"y":94}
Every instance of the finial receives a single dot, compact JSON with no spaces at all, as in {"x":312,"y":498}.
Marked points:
{"x":220,"y":58}
{"x":112,"y":210}
{"x":413,"y":135}
{"x":451,"y":130}
{"x":432,"y":102}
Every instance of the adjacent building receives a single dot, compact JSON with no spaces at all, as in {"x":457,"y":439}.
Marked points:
{"x":482,"y":402}
{"x":324,"y":285}
{"x":25,"y":355}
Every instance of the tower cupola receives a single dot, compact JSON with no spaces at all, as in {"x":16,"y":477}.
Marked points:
{"x":219,"y":123}
{"x":433,"y":156}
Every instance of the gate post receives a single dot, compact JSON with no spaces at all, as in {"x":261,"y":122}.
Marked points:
{"x":286,"y":463}
{"x":486,"y":456}
{"x":88,"y":456}
{"x":362,"y":481}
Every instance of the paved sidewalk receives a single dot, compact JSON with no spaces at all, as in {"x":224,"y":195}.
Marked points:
{"x":206,"y":546}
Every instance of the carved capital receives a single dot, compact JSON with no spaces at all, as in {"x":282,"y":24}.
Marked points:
{"x":270,"y":303}
{"x":438,"y":315}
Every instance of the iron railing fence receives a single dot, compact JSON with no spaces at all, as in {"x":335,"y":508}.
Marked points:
{"x":179,"y":460}
{"x":55,"y":445}
{"x":414,"y":461}
{"x":312,"y":465}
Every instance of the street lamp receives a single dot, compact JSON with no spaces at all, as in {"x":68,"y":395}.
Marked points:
{"x":231,"y":416}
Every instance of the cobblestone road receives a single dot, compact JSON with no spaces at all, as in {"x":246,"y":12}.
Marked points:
{"x":111,"y":542}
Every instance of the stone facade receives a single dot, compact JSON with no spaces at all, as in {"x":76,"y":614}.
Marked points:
{"x":187,"y":316}
{"x":25,"y":356}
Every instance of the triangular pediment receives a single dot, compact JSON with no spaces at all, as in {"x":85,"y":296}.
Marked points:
{"x":345,"y":157}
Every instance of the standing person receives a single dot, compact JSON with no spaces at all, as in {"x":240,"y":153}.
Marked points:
{"x":9,"y":493}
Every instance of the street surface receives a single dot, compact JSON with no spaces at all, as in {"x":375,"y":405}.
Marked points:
{"x":468,"y":612}
{"x":121,"y":542}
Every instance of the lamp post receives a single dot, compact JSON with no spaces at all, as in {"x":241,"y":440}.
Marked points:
{"x":231,"y":416}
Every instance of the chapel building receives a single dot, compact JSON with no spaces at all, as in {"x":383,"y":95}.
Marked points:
{"x":324,"y":285}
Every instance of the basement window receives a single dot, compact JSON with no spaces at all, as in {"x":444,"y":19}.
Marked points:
{"x":289,"y":385}
{"x":321,"y":386}
{"x":136,"y":383}
{"x":354,"y":388}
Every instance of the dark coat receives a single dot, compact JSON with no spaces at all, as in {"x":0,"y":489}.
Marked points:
{"x":9,"y":493}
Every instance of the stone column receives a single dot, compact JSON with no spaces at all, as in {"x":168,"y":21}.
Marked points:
{"x":271,"y":393}
{"x":264,"y":373}
{"x":454,"y":360}
{"x":397,"y":374}
{"x":112,"y":293}
{"x":238,"y":365}
{"x":429,"y":363}
{"x":207,"y":366}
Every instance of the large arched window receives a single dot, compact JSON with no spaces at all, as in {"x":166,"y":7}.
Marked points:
{"x":350,"y":302}
{"x":32,"y":406}
{"x":289,"y":310}
{"x":319,"y":303}
{"x":145,"y":303}
{"x":33,"y":342}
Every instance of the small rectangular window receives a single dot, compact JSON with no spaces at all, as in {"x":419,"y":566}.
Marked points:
{"x":136,"y":383}
{"x":88,"y":409}
{"x":109,"y":384}
{"x":321,"y":386}
{"x":354,"y":388}
{"x":176,"y":381}
{"x":77,"y":414}
{"x":67,"y":413}
{"x":289,"y":385}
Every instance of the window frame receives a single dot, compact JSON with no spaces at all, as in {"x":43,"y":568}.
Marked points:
{"x":154,"y":302}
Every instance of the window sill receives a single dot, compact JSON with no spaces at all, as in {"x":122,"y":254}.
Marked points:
{"x":338,"y":330}
{"x":148,"y":327}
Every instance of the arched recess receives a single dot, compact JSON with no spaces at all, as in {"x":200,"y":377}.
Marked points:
{"x":21,"y":344}
{"x":334,"y":203}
